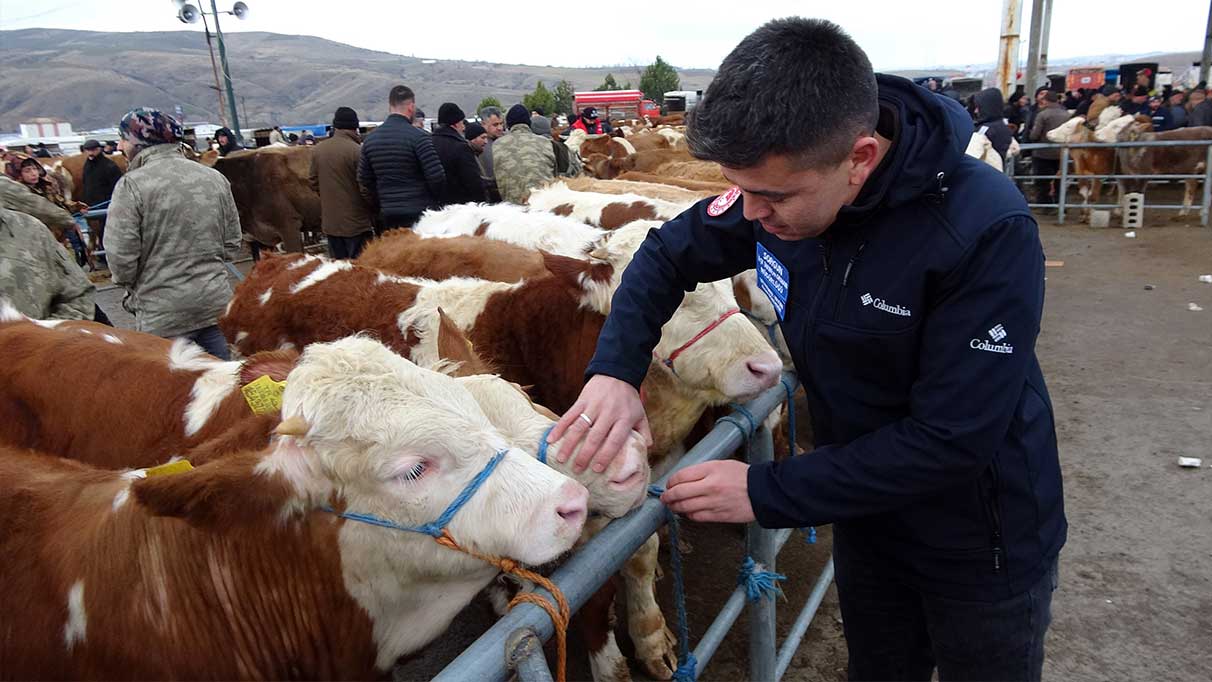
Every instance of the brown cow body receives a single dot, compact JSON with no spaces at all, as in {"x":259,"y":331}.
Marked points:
{"x":1166,"y":160}
{"x":710,"y":187}
{"x":404,"y":252}
{"x":273,"y":195}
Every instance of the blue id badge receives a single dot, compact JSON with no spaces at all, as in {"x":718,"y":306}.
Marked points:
{"x":773,"y":279}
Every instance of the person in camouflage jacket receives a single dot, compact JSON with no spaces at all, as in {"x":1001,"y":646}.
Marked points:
{"x":37,"y":275}
{"x":15,"y":196}
{"x":521,"y":160}
{"x":172,"y":223}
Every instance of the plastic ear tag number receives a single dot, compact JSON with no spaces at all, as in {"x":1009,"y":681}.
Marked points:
{"x":264,"y":395}
{"x":178,"y":467}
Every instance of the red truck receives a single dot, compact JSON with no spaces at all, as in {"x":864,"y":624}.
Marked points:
{"x":616,"y":104}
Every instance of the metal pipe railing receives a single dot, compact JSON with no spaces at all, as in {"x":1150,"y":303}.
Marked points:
{"x":603,"y":555}
{"x":800,"y":627}
{"x":763,"y":650}
{"x":1065,"y":176}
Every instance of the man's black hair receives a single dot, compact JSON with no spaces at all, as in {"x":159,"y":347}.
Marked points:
{"x":401,"y":94}
{"x":795,"y":86}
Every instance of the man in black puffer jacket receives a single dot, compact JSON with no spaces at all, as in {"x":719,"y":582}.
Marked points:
{"x":399,"y":170}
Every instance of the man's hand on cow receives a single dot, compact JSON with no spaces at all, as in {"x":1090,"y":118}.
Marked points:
{"x":603,"y":416}
{"x":716,"y":492}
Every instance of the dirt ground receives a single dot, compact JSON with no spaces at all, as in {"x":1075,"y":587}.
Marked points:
{"x":1129,"y":367}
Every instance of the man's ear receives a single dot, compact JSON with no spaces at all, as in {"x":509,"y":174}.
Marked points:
{"x":864,"y":157}
{"x":226,"y":492}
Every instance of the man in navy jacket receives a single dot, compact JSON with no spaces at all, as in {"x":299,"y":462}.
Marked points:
{"x":910,"y":282}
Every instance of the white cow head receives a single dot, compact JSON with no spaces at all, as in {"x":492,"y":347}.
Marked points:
{"x":1110,"y":132}
{"x":612,"y":493}
{"x":1064,"y":132}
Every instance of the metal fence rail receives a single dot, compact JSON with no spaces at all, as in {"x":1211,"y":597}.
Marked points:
{"x":1066,"y":176}
{"x":510,"y":646}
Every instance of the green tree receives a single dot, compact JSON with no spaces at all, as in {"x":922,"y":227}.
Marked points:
{"x":658,"y":79}
{"x":565,"y":97}
{"x":488,"y":102}
{"x":608,"y":84}
{"x":541,"y":98}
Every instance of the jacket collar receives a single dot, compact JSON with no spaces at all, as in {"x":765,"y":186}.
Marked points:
{"x":447,"y":131}
{"x":152,"y":153}
{"x":520,"y":126}
{"x":350,"y":134}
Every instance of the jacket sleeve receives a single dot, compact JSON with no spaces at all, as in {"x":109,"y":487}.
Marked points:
{"x":960,"y":406}
{"x":231,"y":224}
{"x":123,"y":234}
{"x":672,"y":260}
{"x":74,"y":299}
{"x":111,"y":180}
{"x":1037,"y":128}
{"x":431,"y":165}
{"x":366,"y":177}
{"x":469,"y":174}
{"x":18,"y":198}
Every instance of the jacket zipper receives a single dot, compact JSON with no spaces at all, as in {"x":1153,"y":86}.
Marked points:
{"x":837,"y":302}
{"x":990,"y":498}
{"x":825,"y":246}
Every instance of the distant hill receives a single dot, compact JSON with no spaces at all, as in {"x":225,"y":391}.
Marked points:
{"x":91,"y":78}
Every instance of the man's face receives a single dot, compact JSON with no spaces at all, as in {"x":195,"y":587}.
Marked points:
{"x":1154,"y":104}
{"x":460,"y":126}
{"x":1114,"y":97}
{"x":30,"y":175}
{"x":794,"y":204}
{"x":1139,"y":99}
{"x":477,"y":143}
{"x":494,"y":127}
{"x":1176,"y":99}
{"x":128,"y":149}
{"x":93,"y":153}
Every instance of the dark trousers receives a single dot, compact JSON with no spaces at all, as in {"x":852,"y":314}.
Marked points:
{"x":211,"y":340}
{"x":392,"y":221}
{"x":348,"y":247}
{"x":1043,"y":186}
{"x":897,"y":633}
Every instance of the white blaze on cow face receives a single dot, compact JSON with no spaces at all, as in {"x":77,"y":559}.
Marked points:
{"x":76,"y":628}
{"x":217,"y":381}
{"x":733,"y":360}
{"x":613,"y":493}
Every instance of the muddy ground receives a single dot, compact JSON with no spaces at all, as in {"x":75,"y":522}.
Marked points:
{"x":1130,"y":372}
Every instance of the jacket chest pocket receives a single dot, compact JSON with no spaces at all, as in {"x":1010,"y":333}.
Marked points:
{"x":878,"y":365}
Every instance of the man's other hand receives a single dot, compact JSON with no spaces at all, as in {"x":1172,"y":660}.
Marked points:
{"x":716,"y":492}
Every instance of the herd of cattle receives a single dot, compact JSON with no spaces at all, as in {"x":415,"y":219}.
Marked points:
{"x":405,"y":373}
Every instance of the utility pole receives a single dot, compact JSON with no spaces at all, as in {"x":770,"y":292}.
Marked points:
{"x":1043,"y":43}
{"x":231,"y":97}
{"x":215,"y":68}
{"x":1031,"y":76}
{"x":1007,"y":58}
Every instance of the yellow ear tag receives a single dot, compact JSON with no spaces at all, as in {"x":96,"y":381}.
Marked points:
{"x":178,"y":467}
{"x":264,"y":395}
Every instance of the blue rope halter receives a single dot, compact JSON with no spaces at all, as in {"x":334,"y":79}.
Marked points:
{"x":541,"y":455}
{"x":771,"y":327}
{"x":434,"y":528}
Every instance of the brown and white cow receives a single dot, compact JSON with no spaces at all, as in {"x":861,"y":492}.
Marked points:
{"x":1184,"y":160}
{"x":511,"y":223}
{"x":238,"y":569}
{"x":1086,"y":160}
{"x":607,"y":211}
{"x":652,"y":190}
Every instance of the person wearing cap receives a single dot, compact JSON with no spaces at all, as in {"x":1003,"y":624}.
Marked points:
{"x":1046,"y":162}
{"x":226,"y":141}
{"x":590,"y":123}
{"x":399,"y":170}
{"x":463,"y":181}
{"x":1178,"y":109}
{"x":521,"y":159}
{"x":101,"y":174}
{"x":172,"y":225}
{"x":418,"y":120}
{"x":567,"y":163}
{"x":477,"y":138}
{"x":110,"y":147}
{"x":1160,"y":114}
{"x":1199,"y":108}
{"x":345,"y":217}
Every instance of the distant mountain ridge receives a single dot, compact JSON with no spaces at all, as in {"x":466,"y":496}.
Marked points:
{"x":91,"y":78}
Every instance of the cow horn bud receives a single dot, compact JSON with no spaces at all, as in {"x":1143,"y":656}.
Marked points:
{"x":293,"y":426}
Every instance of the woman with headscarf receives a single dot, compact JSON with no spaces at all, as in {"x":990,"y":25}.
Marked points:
{"x":226,"y":141}
{"x":32,"y":175}
{"x":172,"y":224}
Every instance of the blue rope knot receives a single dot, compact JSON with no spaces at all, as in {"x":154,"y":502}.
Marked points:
{"x":759,"y":584}
{"x":809,"y":534}
{"x":541,"y":455}
{"x":747,"y":429}
{"x":686,"y":671}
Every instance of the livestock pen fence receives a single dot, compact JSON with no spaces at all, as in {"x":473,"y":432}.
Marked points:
{"x":514,"y":644}
{"x":1066,"y":176}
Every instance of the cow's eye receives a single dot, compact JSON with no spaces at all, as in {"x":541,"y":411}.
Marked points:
{"x":414,"y":473}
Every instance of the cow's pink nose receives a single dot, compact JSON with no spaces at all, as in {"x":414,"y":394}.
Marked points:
{"x":765,"y":369}
{"x":628,"y":472}
{"x":574,"y":507}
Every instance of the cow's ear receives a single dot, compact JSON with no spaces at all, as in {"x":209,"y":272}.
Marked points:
{"x":275,"y":364}
{"x":577,"y":274}
{"x":454,"y":346}
{"x":226,"y":492}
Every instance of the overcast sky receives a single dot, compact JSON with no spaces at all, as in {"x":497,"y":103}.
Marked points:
{"x":895,"y":33}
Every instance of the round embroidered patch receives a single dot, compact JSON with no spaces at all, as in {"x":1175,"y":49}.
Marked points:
{"x":723,"y":202}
